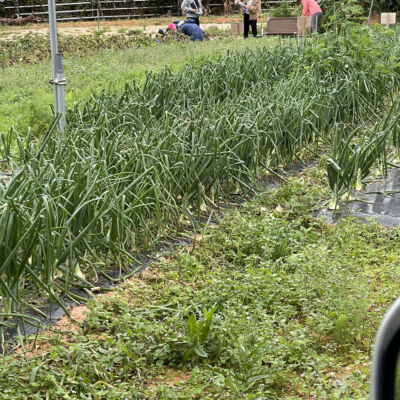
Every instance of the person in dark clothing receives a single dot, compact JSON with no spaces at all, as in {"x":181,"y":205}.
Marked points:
{"x":190,"y":28}
{"x":250,"y":10}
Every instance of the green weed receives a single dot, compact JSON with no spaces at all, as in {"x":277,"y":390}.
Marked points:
{"x":291,"y":327}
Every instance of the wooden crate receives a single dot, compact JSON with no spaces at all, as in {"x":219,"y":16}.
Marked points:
{"x":289,"y":26}
{"x":282,"y":26}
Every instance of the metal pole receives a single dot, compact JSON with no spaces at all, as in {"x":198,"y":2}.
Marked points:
{"x":370,"y":11}
{"x":59,"y":81}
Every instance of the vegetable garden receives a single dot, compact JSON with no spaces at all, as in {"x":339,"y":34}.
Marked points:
{"x":140,"y":164}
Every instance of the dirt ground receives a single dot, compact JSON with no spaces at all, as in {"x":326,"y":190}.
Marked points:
{"x":147,"y":25}
{"x":150,"y":25}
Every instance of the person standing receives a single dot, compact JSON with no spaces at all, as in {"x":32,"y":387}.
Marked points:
{"x":250,"y":10}
{"x":312,"y":9}
{"x":193,"y":10}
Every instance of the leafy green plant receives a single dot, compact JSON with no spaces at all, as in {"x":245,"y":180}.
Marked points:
{"x":283,"y":10}
{"x":198,"y":334}
{"x":248,"y":353}
{"x":339,"y":15}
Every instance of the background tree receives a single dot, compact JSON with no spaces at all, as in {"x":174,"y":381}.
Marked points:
{"x":383,"y":5}
{"x":229,"y":6}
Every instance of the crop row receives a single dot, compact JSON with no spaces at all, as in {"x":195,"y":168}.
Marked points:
{"x":32,"y":48}
{"x":131,"y":165}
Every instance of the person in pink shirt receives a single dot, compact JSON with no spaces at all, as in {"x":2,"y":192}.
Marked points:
{"x":313,"y":10}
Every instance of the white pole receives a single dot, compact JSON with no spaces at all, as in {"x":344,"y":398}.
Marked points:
{"x":370,"y":11}
{"x":59,"y":81}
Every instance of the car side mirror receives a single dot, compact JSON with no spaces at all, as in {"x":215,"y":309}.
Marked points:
{"x":385,"y":376}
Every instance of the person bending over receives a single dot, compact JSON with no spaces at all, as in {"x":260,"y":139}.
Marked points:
{"x":193,"y":10}
{"x":190,"y":28}
{"x":313,"y":10}
{"x":162,"y":34}
{"x":250,"y":10}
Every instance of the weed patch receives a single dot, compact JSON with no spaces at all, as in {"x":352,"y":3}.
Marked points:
{"x":237,"y":317}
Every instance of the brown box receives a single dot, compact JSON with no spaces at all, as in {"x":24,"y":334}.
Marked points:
{"x":289,"y":26}
{"x":282,"y":26}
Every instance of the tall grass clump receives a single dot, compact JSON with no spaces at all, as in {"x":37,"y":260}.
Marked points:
{"x":136,"y":164}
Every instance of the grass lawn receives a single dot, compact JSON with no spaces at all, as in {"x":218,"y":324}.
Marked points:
{"x":26,"y":95}
{"x":270,"y":304}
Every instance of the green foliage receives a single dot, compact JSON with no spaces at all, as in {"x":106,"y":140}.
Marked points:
{"x":247,"y":357}
{"x":31,"y":48}
{"x":283,"y":10}
{"x":198,"y":333}
{"x":384,"y":5}
{"x":2,"y":10}
{"x":338,"y":13}
{"x":25,"y":94}
{"x":359,"y":50}
{"x":351,"y":163}
{"x":288,"y":327}
{"x":215,"y":32}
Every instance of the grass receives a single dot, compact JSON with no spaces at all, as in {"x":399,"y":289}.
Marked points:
{"x":272,"y":304}
{"x":25,"y":95}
